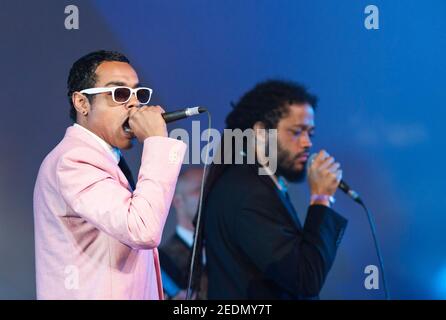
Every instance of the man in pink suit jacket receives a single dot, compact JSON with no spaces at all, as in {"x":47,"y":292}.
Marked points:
{"x":96,"y":237}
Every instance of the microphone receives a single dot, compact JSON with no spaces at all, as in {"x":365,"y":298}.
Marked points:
{"x":181,"y":114}
{"x":342,"y":184}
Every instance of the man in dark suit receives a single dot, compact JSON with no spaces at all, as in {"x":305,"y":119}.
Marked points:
{"x":174,"y":254}
{"x":256,"y":247}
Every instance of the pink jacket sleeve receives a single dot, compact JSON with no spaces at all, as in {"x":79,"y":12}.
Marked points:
{"x":91,"y":188}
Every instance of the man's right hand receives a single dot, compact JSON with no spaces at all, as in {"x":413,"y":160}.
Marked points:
{"x":324,"y":175}
{"x":147,"y":121}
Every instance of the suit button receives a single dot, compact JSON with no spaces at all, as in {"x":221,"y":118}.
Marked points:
{"x":174,"y":156}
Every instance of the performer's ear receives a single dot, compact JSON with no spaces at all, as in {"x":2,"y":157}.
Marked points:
{"x":261,"y":143}
{"x":259,"y":131}
{"x":81,"y":103}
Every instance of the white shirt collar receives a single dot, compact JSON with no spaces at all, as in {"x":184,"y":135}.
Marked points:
{"x":113,"y":151}
{"x":186,"y":235}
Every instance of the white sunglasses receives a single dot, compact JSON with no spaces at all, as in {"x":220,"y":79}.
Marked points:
{"x":123,"y":94}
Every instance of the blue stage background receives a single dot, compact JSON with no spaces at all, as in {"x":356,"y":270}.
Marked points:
{"x":381,"y":111}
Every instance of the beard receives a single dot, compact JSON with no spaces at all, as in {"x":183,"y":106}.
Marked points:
{"x":286,"y":165}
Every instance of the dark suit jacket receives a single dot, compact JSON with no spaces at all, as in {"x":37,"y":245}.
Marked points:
{"x":256,"y":247}
{"x":175,"y":261}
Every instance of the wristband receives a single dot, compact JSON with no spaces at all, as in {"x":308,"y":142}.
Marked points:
{"x":322,"y":197}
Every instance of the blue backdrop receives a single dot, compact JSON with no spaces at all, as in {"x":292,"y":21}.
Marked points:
{"x":381,"y":109}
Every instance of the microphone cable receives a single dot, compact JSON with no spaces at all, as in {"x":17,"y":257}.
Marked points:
{"x":200,"y":205}
{"x":372,"y":225}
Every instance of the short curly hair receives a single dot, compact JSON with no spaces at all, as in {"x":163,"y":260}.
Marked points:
{"x":83,"y":73}
{"x":268,"y":102}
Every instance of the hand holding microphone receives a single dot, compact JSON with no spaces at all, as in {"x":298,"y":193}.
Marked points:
{"x":324,"y":176}
{"x":147,"y":121}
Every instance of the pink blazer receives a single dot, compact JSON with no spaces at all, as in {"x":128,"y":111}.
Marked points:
{"x":94,"y":237}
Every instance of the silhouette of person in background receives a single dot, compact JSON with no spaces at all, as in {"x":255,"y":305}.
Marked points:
{"x":174,"y":255}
